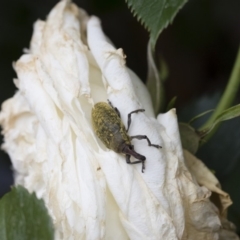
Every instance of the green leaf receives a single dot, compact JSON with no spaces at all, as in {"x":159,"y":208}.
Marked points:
{"x":199,"y":115}
{"x":225,"y":115}
{"x":163,"y":70}
{"x":24,"y":217}
{"x":155,"y":15}
{"x":171,"y":104}
{"x":189,"y":137}
{"x":154,"y":83}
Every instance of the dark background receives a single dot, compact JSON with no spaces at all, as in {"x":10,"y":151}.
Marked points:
{"x":199,"y":49}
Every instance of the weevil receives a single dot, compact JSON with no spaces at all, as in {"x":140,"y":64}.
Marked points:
{"x":109,"y":127}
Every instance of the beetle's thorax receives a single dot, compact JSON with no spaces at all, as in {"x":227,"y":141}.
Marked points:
{"x":120,"y":140}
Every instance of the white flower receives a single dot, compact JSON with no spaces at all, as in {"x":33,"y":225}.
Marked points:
{"x":90,"y":191}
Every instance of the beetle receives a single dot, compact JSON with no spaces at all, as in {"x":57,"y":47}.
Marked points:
{"x":109,"y":128}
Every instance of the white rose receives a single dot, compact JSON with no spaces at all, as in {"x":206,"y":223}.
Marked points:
{"x":89,"y":190}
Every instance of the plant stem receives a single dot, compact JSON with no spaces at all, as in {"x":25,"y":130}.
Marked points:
{"x":229,"y":93}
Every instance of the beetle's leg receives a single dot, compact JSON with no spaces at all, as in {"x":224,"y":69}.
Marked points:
{"x":135,"y":162}
{"x":129,"y":116}
{"x":128,"y":158}
{"x":110,"y":103}
{"x":118,"y":113}
{"x":140,"y":137}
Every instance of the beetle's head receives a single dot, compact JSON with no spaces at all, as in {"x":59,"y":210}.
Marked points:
{"x":129,"y":149}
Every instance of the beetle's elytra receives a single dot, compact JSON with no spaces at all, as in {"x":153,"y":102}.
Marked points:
{"x":108,"y":126}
